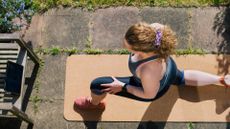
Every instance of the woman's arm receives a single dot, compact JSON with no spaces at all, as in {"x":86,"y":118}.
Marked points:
{"x":150,"y":78}
{"x":150,"y":82}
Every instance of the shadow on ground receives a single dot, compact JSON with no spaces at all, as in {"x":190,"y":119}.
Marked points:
{"x":188,"y":93}
{"x":222,"y":28}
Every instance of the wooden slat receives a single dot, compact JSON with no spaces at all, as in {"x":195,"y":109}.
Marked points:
{"x":3,"y":65}
{"x":8,"y":52}
{"x":7,"y":116}
{"x":2,"y":70}
{"x":8,"y":56}
{"x":5,"y":61}
{"x":7,"y":98}
{"x":9,"y":37}
{"x":2,"y":75}
{"x":6,"y":106}
{"x":9,"y":46}
{"x":21,"y":43}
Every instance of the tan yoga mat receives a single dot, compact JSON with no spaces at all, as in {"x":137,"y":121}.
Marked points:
{"x":179,"y":104}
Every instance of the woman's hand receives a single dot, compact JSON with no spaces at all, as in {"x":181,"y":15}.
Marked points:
{"x":114,"y":87}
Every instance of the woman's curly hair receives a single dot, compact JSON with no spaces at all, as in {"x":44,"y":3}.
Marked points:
{"x":142,"y":36}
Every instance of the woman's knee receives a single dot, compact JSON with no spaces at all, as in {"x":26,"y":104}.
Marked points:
{"x":96,"y":83}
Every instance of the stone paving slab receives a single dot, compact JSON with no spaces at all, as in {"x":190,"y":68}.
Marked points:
{"x":176,"y":18}
{"x":49,"y":115}
{"x":34,"y":32}
{"x":59,"y":27}
{"x":51,"y":80}
{"x":109,"y":26}
{"x":210,"y":29}
{"x":205,"y":28}
{"x":202,"y":28}
{"x":65,"y":30}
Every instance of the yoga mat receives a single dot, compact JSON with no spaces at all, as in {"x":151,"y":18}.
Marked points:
{"x":179,"y":104}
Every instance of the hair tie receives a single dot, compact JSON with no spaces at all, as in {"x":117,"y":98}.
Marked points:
{"x":157,"y":42}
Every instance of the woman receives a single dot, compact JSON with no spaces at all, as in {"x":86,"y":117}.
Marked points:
{"x":152,"y":67}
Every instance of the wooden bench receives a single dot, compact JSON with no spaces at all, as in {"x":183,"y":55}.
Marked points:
{"x":13,"y":48}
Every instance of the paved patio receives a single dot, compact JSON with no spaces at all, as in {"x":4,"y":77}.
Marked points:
{"x":196,"y":27}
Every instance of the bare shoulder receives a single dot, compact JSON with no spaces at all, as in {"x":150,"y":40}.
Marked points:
{"x":150,"y":76}
{"x":151,"y":70}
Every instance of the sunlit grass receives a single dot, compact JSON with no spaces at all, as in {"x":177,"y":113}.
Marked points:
{"x":94,"y":4}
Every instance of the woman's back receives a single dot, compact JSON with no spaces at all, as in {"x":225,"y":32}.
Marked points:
{"x":136,"y":64}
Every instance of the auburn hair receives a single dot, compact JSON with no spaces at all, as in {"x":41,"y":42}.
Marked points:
{"x":141,"y":37}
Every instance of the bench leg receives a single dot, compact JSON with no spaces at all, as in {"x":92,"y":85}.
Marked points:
{"x":22,"y":115}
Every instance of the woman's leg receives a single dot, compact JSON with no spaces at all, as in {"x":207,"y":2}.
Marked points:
{"x":97,"y":95}
{"x":199,"y":78}
{"x":96,"y":99}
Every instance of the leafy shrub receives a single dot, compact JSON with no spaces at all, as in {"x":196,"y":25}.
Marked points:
{"x":12,"y":9}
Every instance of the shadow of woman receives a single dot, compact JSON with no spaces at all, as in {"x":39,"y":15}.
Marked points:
{"x":90,"y":117}
{"x":159,"y":110}
{"x":221,"y":26}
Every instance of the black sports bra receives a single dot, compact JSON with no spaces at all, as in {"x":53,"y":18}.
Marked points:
{"x":133,"y":65}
